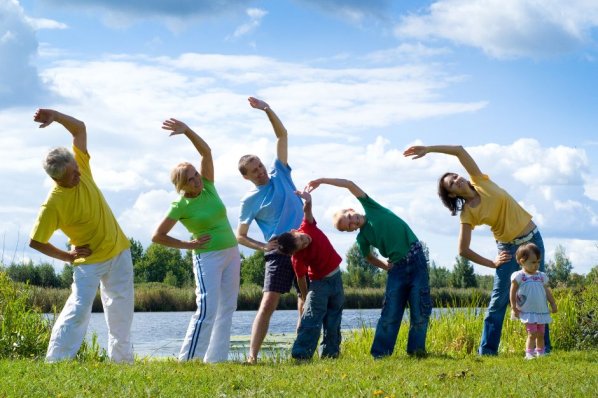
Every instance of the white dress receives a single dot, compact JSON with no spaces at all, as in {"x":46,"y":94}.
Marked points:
{"x":531,"y":297}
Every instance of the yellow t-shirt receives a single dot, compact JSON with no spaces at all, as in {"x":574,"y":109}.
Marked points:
{"x":506,"y":218}
{"x":81,"y":212}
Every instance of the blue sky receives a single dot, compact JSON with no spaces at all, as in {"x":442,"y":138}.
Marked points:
{"x":354,"y":82}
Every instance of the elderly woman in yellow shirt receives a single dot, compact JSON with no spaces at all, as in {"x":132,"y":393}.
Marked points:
{"x":480,"y":201}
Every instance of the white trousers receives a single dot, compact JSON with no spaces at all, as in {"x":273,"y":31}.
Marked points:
{"x":115,"y":278}
{"x":217,"y":277}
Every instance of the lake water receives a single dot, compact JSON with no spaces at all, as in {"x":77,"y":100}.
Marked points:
{"x":160,"y":334}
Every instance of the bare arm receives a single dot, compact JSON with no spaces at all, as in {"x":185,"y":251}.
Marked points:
{"x":251,"y":243}
{"x":513,"y":298}
{"x":74,"y":126}
{"x":308,"y":215}
{"x":303,"y":289}
{"x":279,"y":129}
{"x":52,"y":251}
{"x":550,"y":298}
{"x":376,"y":262}
{"x":337,"y":182}
{"x":161,"y":236}
{"x":465,"y":250}
{"x":206,"y":168}
{"x":456,"y":150}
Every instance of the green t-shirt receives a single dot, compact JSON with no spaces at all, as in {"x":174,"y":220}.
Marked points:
{"x":384,"y":230}
{"x":205,"y":214}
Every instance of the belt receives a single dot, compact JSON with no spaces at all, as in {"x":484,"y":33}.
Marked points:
{"x":526,"y":238}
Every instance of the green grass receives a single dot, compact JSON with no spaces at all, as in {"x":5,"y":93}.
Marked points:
{"x":562,"y":374}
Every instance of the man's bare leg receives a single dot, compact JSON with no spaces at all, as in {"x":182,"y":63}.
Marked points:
{"x":261,"y":323}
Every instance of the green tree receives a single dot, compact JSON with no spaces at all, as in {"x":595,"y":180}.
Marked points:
{"x":253,"y":268}
{"x":463,"y":275}
{"x":136,"y":250}
{"x":360,"y":273}
{"x":47,"y":276}
{"x":156,"y":263}
{"x":592,"y":276}
{"x":66,"y":276}
{"x":559,"y":269}
{"x":485,"y":282}
{"x":439,"y":276}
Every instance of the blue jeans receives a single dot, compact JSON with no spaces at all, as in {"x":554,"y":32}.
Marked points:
{"x":323,"y":308}
{"x":408,"y":282}
{"x":499,"y":300}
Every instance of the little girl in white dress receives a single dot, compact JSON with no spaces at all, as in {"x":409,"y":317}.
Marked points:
{"x":529,"y":295}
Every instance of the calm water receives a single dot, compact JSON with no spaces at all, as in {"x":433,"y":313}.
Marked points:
{"x":161,"y":334}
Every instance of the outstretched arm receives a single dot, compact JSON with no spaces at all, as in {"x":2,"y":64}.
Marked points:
{"x":337,"y":182}
{"x":465,"y":250}
{"x":279,"y":129}
{"x":74,"y":126}
{"x":306,"y":205}
{"x":162,"y":237}
{"x":456,"y":150}
{"x":176,"y":127}
{"x":52,"y":251}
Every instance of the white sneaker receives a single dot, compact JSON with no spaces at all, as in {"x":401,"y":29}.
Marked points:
{"x":529,"y":355}
{"x":540,"y":354}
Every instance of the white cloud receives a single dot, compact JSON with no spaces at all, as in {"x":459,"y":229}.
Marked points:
{"x":507,"y":28}
{"x":255,"y":16}
{"x":19,"y":83}
{"x":44,"y":23}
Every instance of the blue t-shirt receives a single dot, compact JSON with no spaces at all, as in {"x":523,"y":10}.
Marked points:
{"x":274,"y":206}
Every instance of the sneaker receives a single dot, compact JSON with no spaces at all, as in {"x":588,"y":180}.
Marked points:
{"x":529,"y":355}
{"x":540,"y":354}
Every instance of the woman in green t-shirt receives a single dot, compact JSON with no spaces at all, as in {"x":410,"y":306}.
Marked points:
{"x":480,"y":201}
{"x":216,"y":258}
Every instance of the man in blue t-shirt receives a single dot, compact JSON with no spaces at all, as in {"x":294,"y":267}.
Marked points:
{"x":272,"y":203}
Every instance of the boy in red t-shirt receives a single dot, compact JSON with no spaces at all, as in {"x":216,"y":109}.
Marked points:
{"x":313,"y":255}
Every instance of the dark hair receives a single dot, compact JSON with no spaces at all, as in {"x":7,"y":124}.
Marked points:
{"x":453,"y":204}
{"x":286,"y":243}
{"x":245,"y":159}
{"x":523,"y":252}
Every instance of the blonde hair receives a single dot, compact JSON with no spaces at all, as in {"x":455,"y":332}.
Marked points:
{"x":336,"y":217}
{"x":178,"y":176}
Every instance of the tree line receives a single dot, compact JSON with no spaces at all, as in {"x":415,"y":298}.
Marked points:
{"x":174,"y":267}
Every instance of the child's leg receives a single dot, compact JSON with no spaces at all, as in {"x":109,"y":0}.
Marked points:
{"x":308,"y":332}
{"x":540,"y":328}
{"x":331,"y":341}
{"x":530,"y":343}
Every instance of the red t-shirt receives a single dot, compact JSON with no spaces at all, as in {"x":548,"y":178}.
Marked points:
{"x":319,"y":258}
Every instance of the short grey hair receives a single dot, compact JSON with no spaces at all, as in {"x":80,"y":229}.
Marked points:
{"x":56,"y":162}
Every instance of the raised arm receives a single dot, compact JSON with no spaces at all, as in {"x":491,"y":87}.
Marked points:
{"x":279,"y":129}
{"x":74,"y":126}
{"x":337,"y":182}
{"x":465,"y":250}
{"x":456,"y":150}
{"x":306,"y":206}
{"x":176,"y":127}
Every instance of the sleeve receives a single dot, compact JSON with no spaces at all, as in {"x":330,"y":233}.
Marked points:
{"x":516,"y":277}
{"x":176,"y":211}
{"x":45,"y":225}
{"x":298,"y":265}
{"x":364,"y":245}
{"x":82,"y":160}
{"x":246,"y":214}
{"x":368,"y":203}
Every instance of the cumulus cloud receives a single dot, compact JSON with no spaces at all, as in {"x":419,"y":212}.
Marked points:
{"x":507,"y":28}
{"x":19,"y":82}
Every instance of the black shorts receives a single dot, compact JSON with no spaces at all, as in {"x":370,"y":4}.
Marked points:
{"x":279,"y":273}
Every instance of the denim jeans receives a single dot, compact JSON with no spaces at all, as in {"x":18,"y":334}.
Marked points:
{"x":495,"y":315}
{"x":408,"y":282}
{"x":323,"y":308}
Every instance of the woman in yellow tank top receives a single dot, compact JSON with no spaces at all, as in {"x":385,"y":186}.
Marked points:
{"x":480,"y":201}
